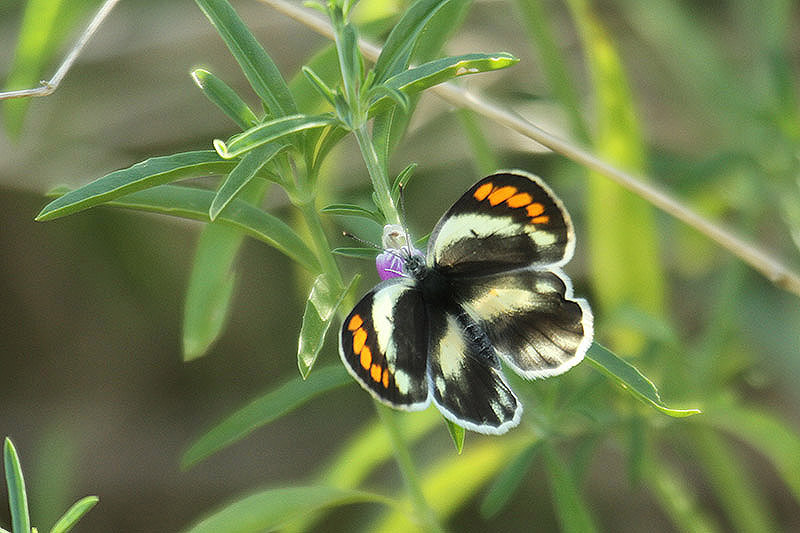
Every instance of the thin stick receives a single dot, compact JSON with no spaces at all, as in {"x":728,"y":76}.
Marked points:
{"x":48,"y":87}
{"x":765,"y":263}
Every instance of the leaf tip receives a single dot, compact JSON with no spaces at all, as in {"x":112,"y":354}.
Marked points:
{"x":199,"y":76}
{"x":222,"y":149}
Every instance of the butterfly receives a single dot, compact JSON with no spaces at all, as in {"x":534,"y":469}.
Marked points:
{"x":489,"y":289}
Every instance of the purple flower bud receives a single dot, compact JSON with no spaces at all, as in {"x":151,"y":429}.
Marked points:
{"x":391,"y":261}
{"x":389,"y":265}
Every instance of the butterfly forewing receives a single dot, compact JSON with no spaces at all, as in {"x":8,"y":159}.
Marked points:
{"x":530,"y":319}
{"x":384,"y":344}
{"x":464,"y":386}
{"x":503,"y":222}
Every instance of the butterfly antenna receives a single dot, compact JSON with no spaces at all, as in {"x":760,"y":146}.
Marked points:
{"x":359,"y":239}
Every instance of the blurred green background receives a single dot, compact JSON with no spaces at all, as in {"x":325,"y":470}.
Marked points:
{"x":92,"y":387}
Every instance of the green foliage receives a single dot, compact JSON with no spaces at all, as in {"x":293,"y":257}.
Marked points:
{"x":337,"y":94}
{"x":18,"y":498}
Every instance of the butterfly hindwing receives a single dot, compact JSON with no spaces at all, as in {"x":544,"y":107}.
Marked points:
{"x":505,"y":221}
{"x":384,"y":342}
{"x":531,"y":319}
{"x":465,"y":386}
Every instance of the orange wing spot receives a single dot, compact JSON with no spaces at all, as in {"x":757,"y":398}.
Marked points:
{"x":483,"y":191}
{"x":385,"y":379}
{"x":359,"y":338}
{"x":355,"y":323}
{"x":534,"y":210}
{"x":519,"y":200}
{"x":544,"y":219}
{"x":366,"y":357}
{"x":502,"y":194}
{"x":375,"y":372}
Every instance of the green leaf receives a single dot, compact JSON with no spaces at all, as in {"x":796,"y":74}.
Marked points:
{"x":732,"y":485}
{"x":257,"y":65}
{"x":400,"y":44}
{"x":241,"y":175}
{"x":17,"y":498}
{"x":629,"y":378}
{"x":508,"y":480}
{"x":270,"y":131}
{"x":679,"y":504}
{"x":188,"y":202}
{"x":143,"y":175}
{"x":74,"y":513}
{"x":624,"y":240}
{"x":264,"y":410}
{"x":457,"y":433}
{"x":773,"y":438}
{"x":356,"y":252}
{"x":573,"y":513}
{"x":225,"y":98}
{"x":417,"y":79}
{"x":402,"y":179}
{"x":270,"y":509}
{"x":321,"y":307}
{"x":319,"y":85}
{"x":352,"y":210}
{"x":351,"y":61}
{"x":385,"y":94}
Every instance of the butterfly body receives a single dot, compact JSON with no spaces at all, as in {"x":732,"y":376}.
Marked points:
{"x":488,"y":289}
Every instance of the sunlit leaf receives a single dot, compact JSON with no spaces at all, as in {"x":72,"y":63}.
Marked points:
{"x":257,"y":65}
{"x":270,"y":509}
{"x":189,"y":202}
{"x":572,"y":511}
{"x":323,"y":302}
{"x":15,"y":482}
{"x":264,"y":410}
{"x":143,"y":175}
{"x":224,"y":97}
{"x":268,"y":132}
{"x":457,"y":433}
{"x":627,"y":376}
{"x":427,"y":75}
{"x":74,"y":514}
{"x":508,"y":480}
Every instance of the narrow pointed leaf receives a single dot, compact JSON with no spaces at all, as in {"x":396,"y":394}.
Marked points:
{"x":508,"y":480}
{"x":402,"y":179}
{"x":74,"y":513}
{"x":257,"y":65}
{"x":268,"y":132}
{"x":457,"y":433}
{"x":351,"y":210}
{"x":679,"y":504}
{"x":270,"y":509}
{"x":321,"y":307}
{"x":15,"y":482}
{"x":188,"y":202}
{"x":264,"y":410}
{"x":356,"y":252}
{"x":241,"y":175}
{"x":143,"y":175}
{"x":627,"y":376}
{"x":319,"y":85}
{"x":225,"y":98}
{"x":417,"y":79}
{"x":573,"y":513}
{"x":384,"y":94}
{"x":396,"y":52}
{"x":212,"y":281}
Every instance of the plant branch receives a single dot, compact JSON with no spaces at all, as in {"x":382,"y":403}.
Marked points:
{"x":49,"y":87}
{"x":765,"y":263}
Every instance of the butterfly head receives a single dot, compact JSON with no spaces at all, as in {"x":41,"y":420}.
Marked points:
{"x":398,"y":258}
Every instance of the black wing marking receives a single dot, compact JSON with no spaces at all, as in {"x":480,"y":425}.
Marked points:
{"x":531,"y":319}
{"x":465,"y":387}
{"x":384,"y":344}
{"x":505,"y":221}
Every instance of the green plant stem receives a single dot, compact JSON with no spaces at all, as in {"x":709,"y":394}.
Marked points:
{"x":424,"y":511}
{"x":321,"y":246}
{"x":380,"y":180}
